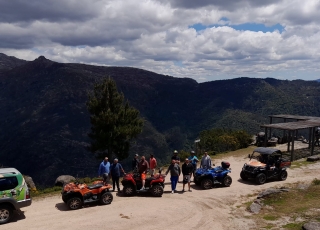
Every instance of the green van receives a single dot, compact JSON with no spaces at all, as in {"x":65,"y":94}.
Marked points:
{"x":14,"y":193}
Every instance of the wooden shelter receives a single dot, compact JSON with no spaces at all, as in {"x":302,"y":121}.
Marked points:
{"x":292,"y":124}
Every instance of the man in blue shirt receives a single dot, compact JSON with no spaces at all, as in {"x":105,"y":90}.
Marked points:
{"x":115,"y":171}
{"x":104,"y":167}
{"x":194,"y":160}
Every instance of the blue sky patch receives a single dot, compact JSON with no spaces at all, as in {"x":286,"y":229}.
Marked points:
{"x":246,"y":26}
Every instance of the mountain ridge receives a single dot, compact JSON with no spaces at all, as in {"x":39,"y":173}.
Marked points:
{"x":44,"y":120}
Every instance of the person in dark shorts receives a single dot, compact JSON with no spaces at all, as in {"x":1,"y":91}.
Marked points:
{"x":187,"y":170}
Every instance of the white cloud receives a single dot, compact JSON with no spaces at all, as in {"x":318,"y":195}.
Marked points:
{"x":157,"y":36}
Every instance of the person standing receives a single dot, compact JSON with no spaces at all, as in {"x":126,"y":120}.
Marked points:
{"x":104,"y":167}
{"x":175,"y":157}
{"x":193,"y":160}
{"x":115,"y":171}
{"x":143,"y":168}
{"x":206,"y":161}
{"x":175,"y":172}
{"x":152,"y":164}
{"x":135,"y":162}
{"x":187,"y":170}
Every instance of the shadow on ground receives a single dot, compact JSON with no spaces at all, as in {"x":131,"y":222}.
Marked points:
{"x":17,"y":216}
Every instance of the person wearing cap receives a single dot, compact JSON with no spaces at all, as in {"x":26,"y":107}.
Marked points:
{"x":187,"y":170}
{"x":206,"y":161}
{"x":115,"y":171}
{"x":152,"y":164}
{"x":104,"y":167}
{"x":143,"y":168}
{"x":175,"y":157}
{"x":194,"y":160}
{"x":175,"y":172}
{"x":135,"y":162}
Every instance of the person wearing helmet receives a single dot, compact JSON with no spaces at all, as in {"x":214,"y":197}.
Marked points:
{"x":175,"y":157}
{"x":194,"y":160}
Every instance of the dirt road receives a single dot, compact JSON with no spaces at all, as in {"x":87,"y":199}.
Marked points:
{"x":199,"y":209}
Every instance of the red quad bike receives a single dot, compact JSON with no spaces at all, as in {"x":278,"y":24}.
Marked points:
{"x":76,"y":194}
{"x":132,"y":184}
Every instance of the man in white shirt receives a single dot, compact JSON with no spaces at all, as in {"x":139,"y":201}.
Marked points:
{"x":206,"y":161}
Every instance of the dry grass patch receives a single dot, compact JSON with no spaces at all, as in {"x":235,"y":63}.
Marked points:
{"x":292,"y":209}
{"x":299,"y":164}
{"x":237,"y":153}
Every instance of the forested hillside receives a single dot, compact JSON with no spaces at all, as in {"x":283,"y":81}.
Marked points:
{"x":44,"y":120}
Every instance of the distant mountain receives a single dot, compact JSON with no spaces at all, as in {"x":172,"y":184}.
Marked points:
{"x":9,"y":62}
{"x":44,"y":121}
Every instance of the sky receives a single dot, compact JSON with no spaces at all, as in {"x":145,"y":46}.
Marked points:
{"x":205,"y":40}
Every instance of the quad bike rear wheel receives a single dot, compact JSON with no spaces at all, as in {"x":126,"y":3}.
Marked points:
{"x":227,"y":181}
{"x":128,"y":190}
{"x":157,"y":190}
{"x":106,"y":198}
{"x":243,"y":176}
{"x":6,"y":213}
{"x":74,"y":203}
{"x":283,"y":175}
{"x":261,"y":178}
{"x":206,"y":183}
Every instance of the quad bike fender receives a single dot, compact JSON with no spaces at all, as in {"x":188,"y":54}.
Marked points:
{"x":128,"y":182}
{"x":70,"y":194}
{"x":156,"y":181}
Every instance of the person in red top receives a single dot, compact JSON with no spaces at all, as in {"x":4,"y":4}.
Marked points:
{"x":143,"y":168}
{"x":152,"y":164}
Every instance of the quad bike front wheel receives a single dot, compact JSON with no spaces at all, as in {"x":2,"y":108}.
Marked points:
{"x":227,"y":181}
{"x":261,"y":178}
{"x":74,"y":203}
{"x":157,"y":190}
{"x":106,"y":198}
{"x":243,"y":176}
{"x":128,"y":190}
{"x":283,"y":175}
{"x":206,"y":183}
{"x":6,"y":213}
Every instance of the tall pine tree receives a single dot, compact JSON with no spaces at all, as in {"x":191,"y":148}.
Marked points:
{"x":114,"y":123}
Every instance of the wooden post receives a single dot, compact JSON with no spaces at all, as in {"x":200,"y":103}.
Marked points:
{"x":270,"y":128}
{"x":309,"y":139}
{"x":265,"y":136}
{"x":292,"y":147}
{"x":289,"y":135}
{"x":312,"y":141}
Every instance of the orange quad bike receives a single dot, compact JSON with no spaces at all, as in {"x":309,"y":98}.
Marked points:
{"x":76,"y":194}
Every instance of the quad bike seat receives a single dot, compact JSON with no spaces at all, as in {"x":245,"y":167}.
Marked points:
{"x":95,"y":186}
{"x":150,"y":178}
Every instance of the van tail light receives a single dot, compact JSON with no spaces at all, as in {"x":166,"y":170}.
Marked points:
{"x":27,"y":194}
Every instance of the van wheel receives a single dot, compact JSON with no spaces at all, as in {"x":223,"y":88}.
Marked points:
{"x":261,"y":178}
{"x":5,"y":213}
{"x":74,"y":203}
